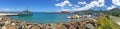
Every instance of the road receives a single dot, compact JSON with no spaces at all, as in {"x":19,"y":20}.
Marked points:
{"x":116,"y":19}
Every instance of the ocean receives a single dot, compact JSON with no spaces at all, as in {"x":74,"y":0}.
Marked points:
{"x":38,"y":17}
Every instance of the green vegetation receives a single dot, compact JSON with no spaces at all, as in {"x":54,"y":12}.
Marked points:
{"x":107,"y":23}
{"x":104,"y":20}
{"x":87,"y":12}
{"x":114,"y":12}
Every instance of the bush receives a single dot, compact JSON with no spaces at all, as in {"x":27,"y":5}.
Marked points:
{"x":107,"y":23}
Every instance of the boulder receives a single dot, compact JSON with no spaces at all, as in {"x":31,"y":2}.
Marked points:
{"x":2,"y":23}
{"x":26,"y":26}
{"x":7,"y":22}
{"x":35,"y":27}
{"x":60,"y":26}
{"x":4,"y":27}
{"x":12,"y":27}
{"x":49,"y":26}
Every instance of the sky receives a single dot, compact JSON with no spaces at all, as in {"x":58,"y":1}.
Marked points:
{"x":57,"y":5}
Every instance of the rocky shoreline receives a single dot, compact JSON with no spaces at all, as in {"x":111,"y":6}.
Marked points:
{"x":8,"y":23}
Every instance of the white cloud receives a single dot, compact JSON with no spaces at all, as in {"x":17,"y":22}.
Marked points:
{"x":70,"y":5}
{"x":111,"y":7}
{"x":99,"y":3}
{"x":116,"y":2}
{"x":65,"y":9}
{"x":4,"y":9}
{"x":64,"y":3}
{"x":76,"y":6}
{"x":82,"y":3}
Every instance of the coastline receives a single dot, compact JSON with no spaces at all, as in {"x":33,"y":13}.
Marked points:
{"x":8,"y":23}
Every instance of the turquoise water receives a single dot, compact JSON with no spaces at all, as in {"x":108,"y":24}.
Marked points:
{"x":38,"y":17}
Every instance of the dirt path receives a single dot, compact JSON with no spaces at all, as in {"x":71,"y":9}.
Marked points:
{"x":116,"y":19}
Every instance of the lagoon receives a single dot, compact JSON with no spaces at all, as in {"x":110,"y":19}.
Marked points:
{"x":39,"y":17}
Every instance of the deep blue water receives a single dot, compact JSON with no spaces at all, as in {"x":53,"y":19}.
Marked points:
{"x":38,"y":17}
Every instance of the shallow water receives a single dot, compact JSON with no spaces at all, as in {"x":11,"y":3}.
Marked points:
{"x":38,"y":17}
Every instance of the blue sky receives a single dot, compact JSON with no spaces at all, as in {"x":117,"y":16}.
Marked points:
{"x":57,"y":5}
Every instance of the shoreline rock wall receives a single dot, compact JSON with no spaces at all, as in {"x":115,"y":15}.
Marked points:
{"x":7,"y":23}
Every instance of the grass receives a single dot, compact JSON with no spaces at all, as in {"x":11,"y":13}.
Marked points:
{"x":119,"y":17}
{"x":107,"y":23}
